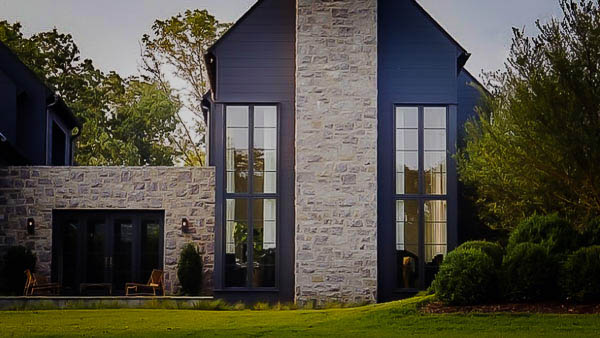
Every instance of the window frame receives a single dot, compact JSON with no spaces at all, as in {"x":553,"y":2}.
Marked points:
{"x":251,"y":196}
{"x":421,"y":197}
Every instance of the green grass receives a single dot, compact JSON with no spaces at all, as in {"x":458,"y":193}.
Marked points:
{"x":391,"y":319}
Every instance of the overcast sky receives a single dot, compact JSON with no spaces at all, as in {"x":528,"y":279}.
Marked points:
{"x":108,"y":31}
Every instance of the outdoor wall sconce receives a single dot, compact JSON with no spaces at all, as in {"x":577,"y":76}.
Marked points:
{"x":30,"y":226}
{"x":185,"y":225}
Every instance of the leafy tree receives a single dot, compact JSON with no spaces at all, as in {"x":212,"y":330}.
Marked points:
{"x":107,"y":104}
{"x":535,"y":144}
{"x":175,"y":51}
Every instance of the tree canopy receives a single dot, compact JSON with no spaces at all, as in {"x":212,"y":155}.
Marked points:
{"x":535,"y":144}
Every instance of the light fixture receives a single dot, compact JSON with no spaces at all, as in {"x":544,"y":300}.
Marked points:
{"x":184,"y":225}
{"x":30,"y":226}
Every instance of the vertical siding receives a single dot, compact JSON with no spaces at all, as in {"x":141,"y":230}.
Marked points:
{"x":417,"y":65}
{"x":8,"y":109}
{"x":468,"y":98}
{"x":256,"y":64}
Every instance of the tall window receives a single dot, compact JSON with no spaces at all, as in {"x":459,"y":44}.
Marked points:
{"x":421,"y":212}
{"x":251,"y":196}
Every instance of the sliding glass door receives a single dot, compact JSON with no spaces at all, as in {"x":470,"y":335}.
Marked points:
{"x":104,"y":247}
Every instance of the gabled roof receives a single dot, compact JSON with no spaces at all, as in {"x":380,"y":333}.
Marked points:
{"x":237,"y":23}
{"x":51,"y":95}
{"x":439,"y":27}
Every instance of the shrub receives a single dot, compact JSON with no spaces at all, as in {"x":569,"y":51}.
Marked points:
{"x":591,"y":233}
{"x":580,"y":275}
{"x":528,"y":273}
{"x":189,"y":270}
{"x":494,"y":250}
{"x":16,"y":260}
{"x":466,"y":276}
{"x":551,"y":231}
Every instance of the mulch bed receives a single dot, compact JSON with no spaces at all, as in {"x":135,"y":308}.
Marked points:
{"x":547,"y":307}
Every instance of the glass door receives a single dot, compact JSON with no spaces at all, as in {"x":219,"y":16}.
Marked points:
{"x":97,"y":257}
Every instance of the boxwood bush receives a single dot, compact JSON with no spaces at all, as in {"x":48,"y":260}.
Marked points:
{"x":494,"y":250}
{"x":529,"y":273}
{"x":189,"y":270}
{"x":466,"y":276}
{"x":580,"y":275}
{"x":551,"y":231}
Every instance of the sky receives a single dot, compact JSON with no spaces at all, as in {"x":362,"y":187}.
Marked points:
{"x":109,"y":31}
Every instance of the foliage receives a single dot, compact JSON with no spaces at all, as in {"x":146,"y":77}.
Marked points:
{"x":104,"y":103}
{"x":494,"y":250}
{"x":534,"y":144}
{"x":16,"y":260}
{"x":580,"y":275}
{"x":466,"y":276}
{"x":591,"y":233}
{"x":528,"y":273}
{"x":551,"y":231}
{"x":189,"y":270}
{"x":177,"y":46}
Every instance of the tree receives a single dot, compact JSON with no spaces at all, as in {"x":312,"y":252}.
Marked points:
{"x":175,"y":51}
{"x":534,"y":146}
{"x":105,"y":103}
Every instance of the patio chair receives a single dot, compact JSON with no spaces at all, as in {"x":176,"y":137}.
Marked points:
{"x":36,"y":284}
{"x":156,"y":282}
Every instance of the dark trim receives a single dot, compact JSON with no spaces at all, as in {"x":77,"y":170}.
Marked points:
{"x":250,"y":196}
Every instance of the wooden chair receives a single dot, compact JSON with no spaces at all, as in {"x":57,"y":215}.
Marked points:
{"x":156,"y":282}
{"x":36,"y":284}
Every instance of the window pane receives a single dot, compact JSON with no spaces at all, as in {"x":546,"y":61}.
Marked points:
{"x":407,"y":117}
{"x":407,"y":243}
{"x":236,"y":242}
{"x":434,"y":117}
{"x":265,"y":182}
{"x":237,"y":116}
{"x":434,"y":139}
{"x":435,"y":173}
{"x":237,"y":143}
{"x":407,"y":139}
{"x":265,"y":138}
{"x":265,"y":116}
{"x":95,"y":251}
{"x":435,"y":237}
{"x":150,"y":248}
{"x":265,"y":160}
{"x":123,"y":249}
{"x":407,"y":179}
{"x":265,"y":242}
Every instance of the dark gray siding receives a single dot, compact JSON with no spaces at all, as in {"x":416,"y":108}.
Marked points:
{"x":417,"y":64}
{"x":256,"y":64}
{"x":468,"y":98}
{"x":8,"y":108}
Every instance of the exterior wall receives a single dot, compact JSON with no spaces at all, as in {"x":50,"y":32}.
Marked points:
{"x":417,"y":64}
{"x":255,"y":64}
{"x":180,"y":192}
{"x":336,"y":150}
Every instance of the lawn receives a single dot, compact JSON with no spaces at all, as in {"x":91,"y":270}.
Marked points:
{"x":391,"y":319}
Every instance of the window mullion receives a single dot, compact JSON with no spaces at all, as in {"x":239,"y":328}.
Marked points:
{"x":250,"y":236}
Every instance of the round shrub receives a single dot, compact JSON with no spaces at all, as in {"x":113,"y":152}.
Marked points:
{"x":494,"y":250}
{"x":16,"y":260}
{"x":528,"y":273}
{"x":551,"y":231}
{"x":580,"y":275}
{"x":465,"y":277}
{"x":189,"y":270}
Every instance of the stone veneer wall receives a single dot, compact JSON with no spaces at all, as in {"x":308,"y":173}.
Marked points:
{"x":180,"y":192}
{"x":336,"y":150}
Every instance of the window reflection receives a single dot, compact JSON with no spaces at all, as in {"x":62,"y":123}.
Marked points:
{"x":435,"y":237}
{"x":434,"y":148}
{"x":265,"y":149}
{"x":407,"y":146}
{"x":237,"y":144}
{"x":236,"y":242}
{"x":265,"y":242}
{"x":407,"y":243}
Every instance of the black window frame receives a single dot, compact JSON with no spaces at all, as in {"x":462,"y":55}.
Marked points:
{"x":251,"y":196}
{"x":421,"y":197}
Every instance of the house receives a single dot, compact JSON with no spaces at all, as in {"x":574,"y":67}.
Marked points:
{"x":332,"y":130}
{"x":35,"y":124}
